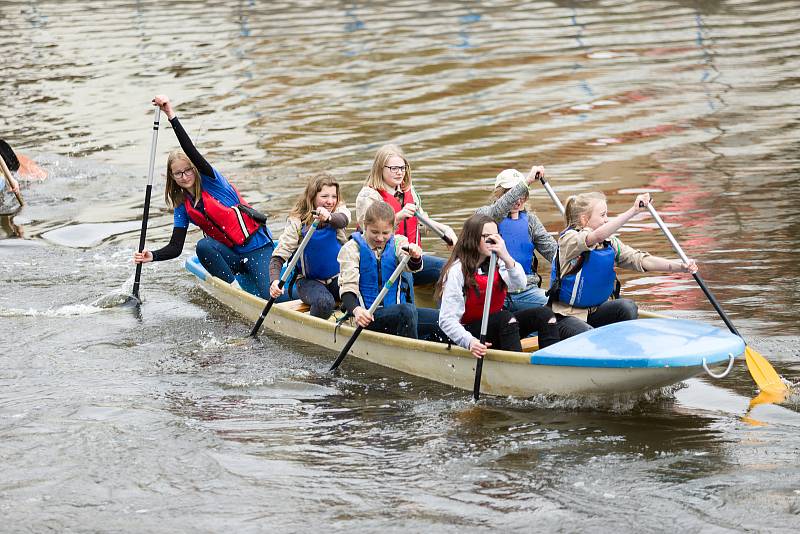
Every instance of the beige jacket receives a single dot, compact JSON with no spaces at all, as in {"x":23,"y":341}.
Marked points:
{"x":350,"y":258}
{"x":573,"y":243}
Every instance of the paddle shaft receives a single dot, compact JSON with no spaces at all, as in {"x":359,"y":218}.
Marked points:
{"x":429,"y":223}
{"x":386,"y":287}
{"x":552,"y":193}
{"x":476,"y":388}
{"x":148,"y":191}
{"x":285,"y":276}
{"x":696,"y":276}
{"x":8,"y":176}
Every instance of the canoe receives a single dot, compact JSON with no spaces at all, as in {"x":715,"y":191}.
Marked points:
{"x":628,"y":357}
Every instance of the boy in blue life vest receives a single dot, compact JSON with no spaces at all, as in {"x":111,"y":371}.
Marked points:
{"x":366,"y":262}
{"x":523,"y":233}
{"x":583,"y":278}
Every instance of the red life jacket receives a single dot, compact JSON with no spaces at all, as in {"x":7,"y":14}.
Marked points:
{"x":473,"y":307}
{"x":228,"y":225}
{"x":408,"y":227}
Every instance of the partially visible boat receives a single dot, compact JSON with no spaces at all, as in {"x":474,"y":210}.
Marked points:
{"x":628,"y":357}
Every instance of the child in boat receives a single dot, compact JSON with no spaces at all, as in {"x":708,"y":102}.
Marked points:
{"x":523,"y":233}
{"x":462,"y":289}
{"x":583,"y":278}
{"x":390,"y":181}
{"x":318,"y":282}
{"x":236,"y":236}
{"x":366,"y":262}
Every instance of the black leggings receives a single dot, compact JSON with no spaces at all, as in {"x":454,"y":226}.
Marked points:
{"x":505,"y":329}
{"x":611,"y":311}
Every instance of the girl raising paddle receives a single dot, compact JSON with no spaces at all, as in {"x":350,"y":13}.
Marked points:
{"x":236,"y":240}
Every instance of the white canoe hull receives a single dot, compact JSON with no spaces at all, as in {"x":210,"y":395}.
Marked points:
{"x":504,"y":373}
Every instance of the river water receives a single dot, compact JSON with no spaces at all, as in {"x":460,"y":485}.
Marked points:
{"x":165,"y":420}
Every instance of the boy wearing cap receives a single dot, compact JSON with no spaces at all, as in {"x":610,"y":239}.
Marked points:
{"x":522,"y":232}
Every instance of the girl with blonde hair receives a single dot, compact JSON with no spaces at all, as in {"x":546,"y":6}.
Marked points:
{"x":389,"y":181}
{"x":367,"y":261}
{"x":583,"y":278}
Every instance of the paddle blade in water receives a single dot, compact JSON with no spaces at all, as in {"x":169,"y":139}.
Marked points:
{"x":763,"y":373}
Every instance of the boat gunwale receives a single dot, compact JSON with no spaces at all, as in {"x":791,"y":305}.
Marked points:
{"x":286,"y":310}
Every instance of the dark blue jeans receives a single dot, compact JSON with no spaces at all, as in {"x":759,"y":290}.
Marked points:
{"x":611,"y":311}
{"x":408,"y":321}
{"x":431,"y":268}
{"x":252,"y":267}
{"x":398,"y":320}
{"x":321,"y":297}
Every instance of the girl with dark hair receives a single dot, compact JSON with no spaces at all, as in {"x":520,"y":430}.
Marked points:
{"x":462,"y":290}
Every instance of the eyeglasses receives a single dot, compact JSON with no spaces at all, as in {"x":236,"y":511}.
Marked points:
{"x":396,"y":168}
{"x":185,"y":172}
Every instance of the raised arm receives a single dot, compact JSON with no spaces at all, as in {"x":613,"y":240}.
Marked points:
{"x":188,"y":147}
{"x":606,"y":230}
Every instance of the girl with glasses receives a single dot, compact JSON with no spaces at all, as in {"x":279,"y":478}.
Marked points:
{"x":389,"y":181}
{"x":462,"y":290}
{"x":236,"y":240}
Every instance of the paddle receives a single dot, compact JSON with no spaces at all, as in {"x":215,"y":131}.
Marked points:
{"x":146,"y":212}
{"x":386,"y":287}
{"x":760,"y":369}
{"x":285,"y":276}
{"x":10,"y":180}
{"x":476,"y":389}
{"x":423,"y":218}
{"x":550,"y":192}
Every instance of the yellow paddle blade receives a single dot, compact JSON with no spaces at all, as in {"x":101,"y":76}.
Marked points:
{"x":763,"y":373}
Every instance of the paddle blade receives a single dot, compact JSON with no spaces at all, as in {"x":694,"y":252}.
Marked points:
{"x":763,"y":373}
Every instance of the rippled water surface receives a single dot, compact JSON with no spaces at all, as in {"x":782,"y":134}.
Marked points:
{"x":167,"y":420}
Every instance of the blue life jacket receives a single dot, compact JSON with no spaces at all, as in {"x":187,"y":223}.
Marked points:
{"x":374,"y":273}
{"x":591,"y":284}
{"x":517,"y":236}
{"x":319,"y":257}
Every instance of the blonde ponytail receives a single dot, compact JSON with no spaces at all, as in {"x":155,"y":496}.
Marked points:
{"x":578,"y":205}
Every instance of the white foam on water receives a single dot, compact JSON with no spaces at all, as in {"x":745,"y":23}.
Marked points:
{"x":88,"y":235}
{"x":62,"y":311}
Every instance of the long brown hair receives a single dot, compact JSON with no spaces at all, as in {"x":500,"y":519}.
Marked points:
{"x":174,"y":194}
{"x":375,"y":177}
{"x":466,"y":251}
{"x":305,"y":204}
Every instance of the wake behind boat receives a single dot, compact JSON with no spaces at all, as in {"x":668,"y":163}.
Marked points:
{"x":628,"y":357}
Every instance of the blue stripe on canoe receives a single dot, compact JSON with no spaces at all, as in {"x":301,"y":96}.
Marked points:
{"x":643,"y":343}
{"x":194,"y":266}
